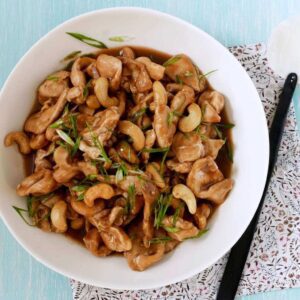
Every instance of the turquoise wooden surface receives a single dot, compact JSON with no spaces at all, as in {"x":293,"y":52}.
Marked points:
{"x":23,"y":22}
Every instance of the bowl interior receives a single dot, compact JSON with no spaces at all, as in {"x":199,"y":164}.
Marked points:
{"x":159,"y":31}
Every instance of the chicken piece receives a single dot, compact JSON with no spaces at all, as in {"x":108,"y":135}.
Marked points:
{"x":209,"y":114}
{"x":164,"y":126}
{"x":102,"y":127}
{"x":92,"y":71}
{"x":175,"y":165}
{"x":182,"y":99}
{"x":127,"y":52}
{"x":37,"y":184}
{"x":150,"y":194}
{"x":184,"y":69}
{"x":140,"y":257}
{"x":214,"y":98}
{"x":110,"y":67}
{"x":202,"y":214}
{"x":204,"y":173}
{"x":155,"y":71}
{"x":131,"y":180}
{"x":75,"y":95}
{"x":187,"y":146}
{"x":116,"y":239}
{"x":185,"y":229}
{"x":38,"y":122}
{"x":217,"y":193}
{"x":65,"y":170}
{"x":140,"y":80}
{"x":94,"y":243}
{"x":53,"y":86}
{"x":87,"y":168}
{"x":212,"y":147}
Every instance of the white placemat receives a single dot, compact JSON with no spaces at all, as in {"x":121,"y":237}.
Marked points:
{"x":274,"y":259}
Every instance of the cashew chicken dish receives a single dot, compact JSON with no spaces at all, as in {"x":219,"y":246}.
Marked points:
{"x":127,"y":150}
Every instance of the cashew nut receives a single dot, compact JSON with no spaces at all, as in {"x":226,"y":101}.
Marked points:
{"x":137,"y":135}
{"x":59,"y":216}
{"x":116,"y":239}
{"x":182,"y":192}
{"x":38,"y":183}
{"x":153,"y":169}
{"x":65,"y":170}
{"x":81,"y":208}
{"x":125,"y":151}
{"x":92,"y":102}
{"x":101,"y":190}
{"x":190,"y":122}
{"x":159,"y":93}
{"x":110,"y":67}
{"x":101,"y":91}
{"x":20,"y":138}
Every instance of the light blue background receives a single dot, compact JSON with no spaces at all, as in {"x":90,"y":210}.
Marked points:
{"x":23,"y":22}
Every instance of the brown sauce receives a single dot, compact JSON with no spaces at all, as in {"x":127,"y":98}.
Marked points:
{"x":222,"y":160}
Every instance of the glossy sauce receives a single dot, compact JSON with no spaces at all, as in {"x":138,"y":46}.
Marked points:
{"x":222,"y":160}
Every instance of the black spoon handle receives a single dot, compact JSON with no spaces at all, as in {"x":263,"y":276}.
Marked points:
{"x":239,"y":251}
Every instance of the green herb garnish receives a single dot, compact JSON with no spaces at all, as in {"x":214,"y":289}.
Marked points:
{"x":225,"y":125}
{"x":229,"y":150}
{"x":171,"y":116}
{"x":52,"y":77}
{"x":219,"y":133}
{"x":64,"y":136}
{"x":156,"y":150}
{"x":71,"y":55}
{"x":122,"y":171}
{"x":171,"y":229}
{"x":188,"y":74}
{"x":20,"y":212}
{"x":138,"y":114}
{"x":159,"y":240}
{"x":130,"y":203}
{"x":206,"y":74}
{"x":120,"y":38}
{"x":57,"y":124}
{"x":171,"y":60}
{"x":178,"y":80}
{"x":162,"y":164}
{"x":97,"y":144}
{"x":200,"y":233}
{"x":76,"y":146}
{"x":87,"y":40}
{"x":160,"y":209}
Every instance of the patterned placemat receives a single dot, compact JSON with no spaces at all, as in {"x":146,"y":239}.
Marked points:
{"x":274,"y":259}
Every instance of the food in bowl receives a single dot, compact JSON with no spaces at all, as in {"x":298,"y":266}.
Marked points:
{"x":128,"y":150}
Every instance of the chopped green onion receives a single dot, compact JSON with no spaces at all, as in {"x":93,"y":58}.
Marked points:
{"x":159,"y":240}
{"x":97,"y":144}
{"x":171,"y":229}
{"x":188,"y":74}
{"x":178,"y":80}
{"x":85,"y":92}
{"x":160,"y":209}
{"x":20,"y":212}
{"x":200,"y":233}
{"x":76,"y":146}
{"x":130,"y":204}
{"x":120,"y":38}
{"x":52,"y":77}
{"x":206,"y":74}
{"x":171,"y":60}
{"x":64,"y":136}
{"x":229,"y":150}
{"x":219,"y":133}
{"x":225,"y":125}
{"x":87,"y":40}
{"x":156,"y":150}
{"x":71,"y":55}
{"x":162,"y":164}
{"x":171,"y":116}
{"x":138,"y":114}
{"x":57,"y":124}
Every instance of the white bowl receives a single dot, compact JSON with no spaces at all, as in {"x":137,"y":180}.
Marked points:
{"x":163,"y":32}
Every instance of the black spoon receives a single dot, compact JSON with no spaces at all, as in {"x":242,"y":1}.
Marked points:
{"x":239,"y":251}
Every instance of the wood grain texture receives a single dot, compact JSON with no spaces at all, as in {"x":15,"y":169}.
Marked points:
{"x":23,"y":22}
